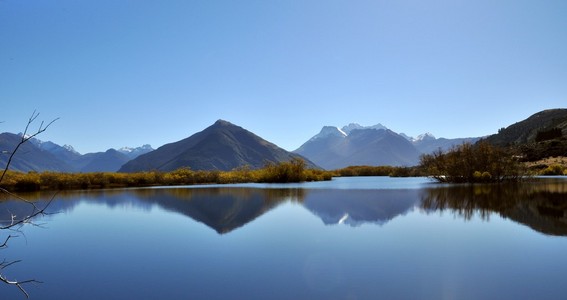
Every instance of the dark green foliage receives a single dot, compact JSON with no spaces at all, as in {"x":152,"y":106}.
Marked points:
{"x":527,"y":130}
{"x":544,"y":149}
{"x":473,"y":163}
{"x":550,"y":134}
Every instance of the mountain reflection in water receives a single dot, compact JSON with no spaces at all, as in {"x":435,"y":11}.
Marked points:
{"x":541,"y":205}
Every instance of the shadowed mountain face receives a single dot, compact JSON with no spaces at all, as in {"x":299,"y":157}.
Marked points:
{"x":527,"y":131}
{"x":39,"y":156}
{"x":29,"y":156}
{"x":222,"y":146}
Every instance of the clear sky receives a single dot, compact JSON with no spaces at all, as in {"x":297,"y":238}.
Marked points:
{"x":127,"y":73}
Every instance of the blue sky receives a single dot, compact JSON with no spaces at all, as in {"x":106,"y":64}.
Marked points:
{"x":127,"y":73}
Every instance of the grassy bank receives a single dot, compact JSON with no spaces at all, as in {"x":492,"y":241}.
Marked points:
{"x":293,"y":171}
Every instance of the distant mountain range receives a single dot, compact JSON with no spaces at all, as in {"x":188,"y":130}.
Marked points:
{"x":225,"y":146}
{"x":353,"y":144}
{"x":37,"y":155}
{"x":221,"y":146}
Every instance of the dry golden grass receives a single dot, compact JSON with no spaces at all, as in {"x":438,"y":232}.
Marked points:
{"x":560,"y":160}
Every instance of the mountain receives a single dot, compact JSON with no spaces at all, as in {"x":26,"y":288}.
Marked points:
{"x":38,"y":155}
{"x":354,"y":126}
{"x":334,"y":148}
{"x":527,"y":131}
{"x":540,"y":136}
{"x":109,"y":161}
{"x":221,"y":146}
{"x":429,"y":144}
{"x":132,"y":153}
{"x":29,"y":156}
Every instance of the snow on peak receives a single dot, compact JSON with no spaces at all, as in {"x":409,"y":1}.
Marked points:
{"x":135,"y":151}
{"x":354,"y":126}
{"x":425,"y":136}
{"x":126,"y":149}
{"x":329,"y":131}
{"x":70,"y":148}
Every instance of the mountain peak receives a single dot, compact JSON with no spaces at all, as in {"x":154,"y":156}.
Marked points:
{"x":425,"y":137}
{"x":329,"y":131}
{"x":221,"y":122}
{"x":221,"y":146}
{"x":355,"y":126}
{"x":70,"y":148}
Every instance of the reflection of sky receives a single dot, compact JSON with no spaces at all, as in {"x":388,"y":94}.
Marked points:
{"x":366,"y":183}
{"x":119,"y":251}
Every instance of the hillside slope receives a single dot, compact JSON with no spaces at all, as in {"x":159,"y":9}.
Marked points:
{"x":222,"y":146}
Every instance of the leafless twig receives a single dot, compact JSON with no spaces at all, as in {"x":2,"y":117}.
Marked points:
{"x":25,"y":137}
{"x":16,"y":221}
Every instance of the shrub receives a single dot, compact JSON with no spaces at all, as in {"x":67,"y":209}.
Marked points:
{"x":472,"y":163}
{"x":553,"y":170}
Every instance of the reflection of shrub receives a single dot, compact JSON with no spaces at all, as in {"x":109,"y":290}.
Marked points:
{"x":28,"y":183}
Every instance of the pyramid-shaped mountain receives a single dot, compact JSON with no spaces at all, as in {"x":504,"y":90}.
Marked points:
{"x":222,"y":146}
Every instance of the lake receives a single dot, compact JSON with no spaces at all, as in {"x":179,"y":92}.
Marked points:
{"x":349,"y":238}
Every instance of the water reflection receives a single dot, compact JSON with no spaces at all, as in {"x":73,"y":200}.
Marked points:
{"x":222,"y":209}
{"x":356,"y":207}
{"x":541,"y":205}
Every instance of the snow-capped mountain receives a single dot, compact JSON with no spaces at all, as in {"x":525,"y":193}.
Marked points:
{"x":353,"y":126}
{"x":135,"y":152}
{"x":46,"y":155}
{"x":327,"y":131}
{"x":425,"y":137}
{"x":355,"y":144}
{"x":427,"y":142}
{"x":334,"y":148}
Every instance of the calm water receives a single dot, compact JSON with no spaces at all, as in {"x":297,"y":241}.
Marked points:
{"x":351,"y":238}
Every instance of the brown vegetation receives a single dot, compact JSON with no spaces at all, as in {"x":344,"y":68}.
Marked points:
{"x":292,"y":171}
{"x":481,"y":162}
{"x":379,"y":171}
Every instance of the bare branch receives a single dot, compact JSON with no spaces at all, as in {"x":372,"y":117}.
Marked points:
{"x":26,"y":137}
{"x":16,"y":222}
{"x":6,"y":242}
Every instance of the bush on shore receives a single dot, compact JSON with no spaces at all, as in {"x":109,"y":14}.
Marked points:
{"x":292,"y":171}
{"x":473,"y":163}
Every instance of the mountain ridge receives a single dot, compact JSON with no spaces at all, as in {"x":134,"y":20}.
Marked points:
{"x":221,"y":146}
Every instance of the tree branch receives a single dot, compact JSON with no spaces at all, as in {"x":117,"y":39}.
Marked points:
{"x":26,"y":137}
{"x":15,"y":221}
